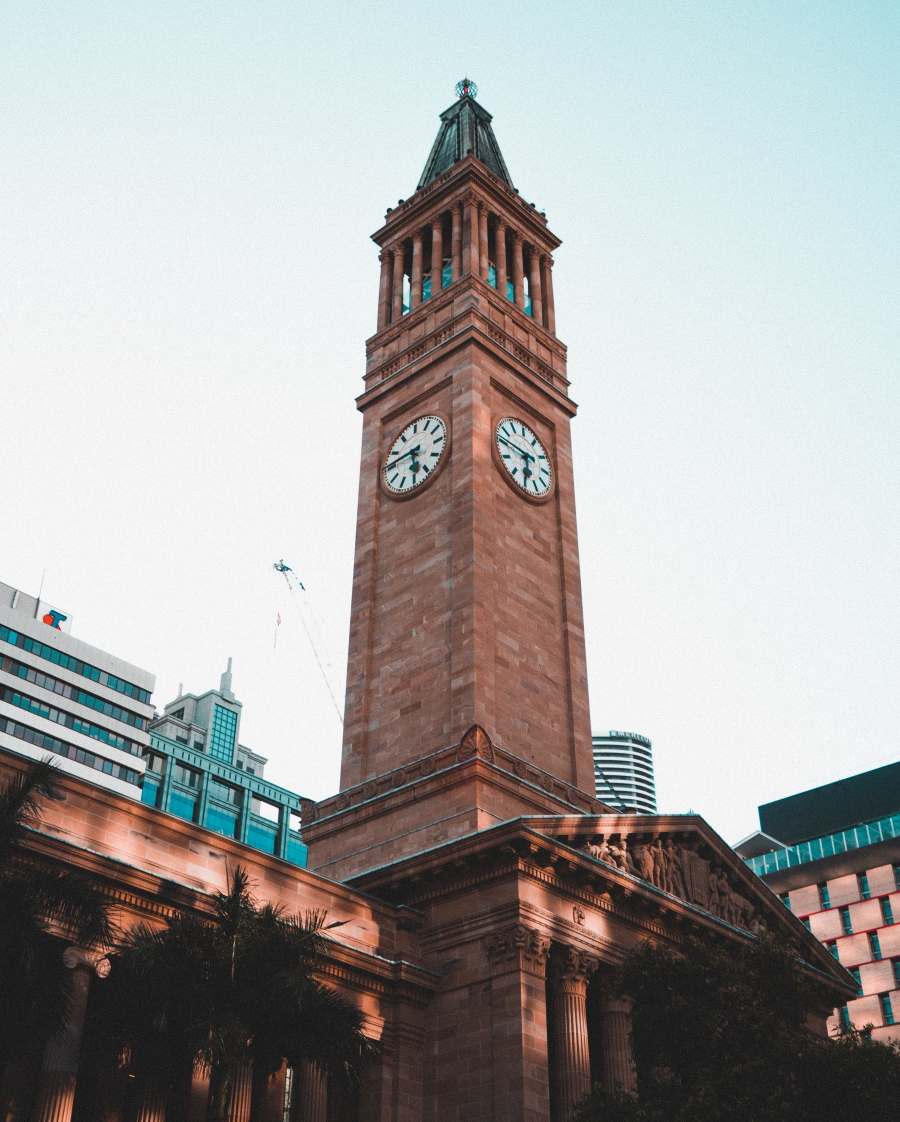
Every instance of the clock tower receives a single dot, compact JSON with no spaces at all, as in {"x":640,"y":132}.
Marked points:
{"x":466,"y":636}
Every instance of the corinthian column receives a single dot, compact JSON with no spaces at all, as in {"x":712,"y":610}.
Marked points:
{"x":384,"y":290}
{"x":483,"y":240}
{"x":456,"y":243}
{"x":549,"y":312}
{"x":500,"y":257}
{"x":615,"y":1025}
{"x":537,"y":305}
{"x":470,"y":252}
{"x":570,"y":973}
{"x":399,"y":252}
{"x":415,"y":279}
{"x":437,"y":256}
{"x":56,"y":1090}
{"x":518,"y":271}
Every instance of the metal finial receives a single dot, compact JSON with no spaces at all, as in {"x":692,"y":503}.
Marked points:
{"x":465,"y":88}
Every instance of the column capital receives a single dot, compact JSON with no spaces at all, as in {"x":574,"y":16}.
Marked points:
{"x":517,"y":237}
{"x":96,"y":961}
{"x":518,"y":948}
{"x":571,"y":967}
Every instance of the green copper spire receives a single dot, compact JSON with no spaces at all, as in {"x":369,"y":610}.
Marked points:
{"x":465,"y":131}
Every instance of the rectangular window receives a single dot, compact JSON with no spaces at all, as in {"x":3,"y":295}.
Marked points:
{"x":150,"y":792}
{"x":846,"y":925}
{"x":222,"y":819}
{"x":844,"y":1014}
{"x":824,"y":898}
{"x":887,"y":913}
{"x":897,"y":875}
{"x":296,"y":850}
{"x":786,"y":900}
{"x":855,"y":972}
{"x":874,"y":945}
{"x":261,"y":835}
{"x":221,"y":735}
{"x":155,"y":763}
{"x":426,"y":287}
{"x":806,"y":923}
{"x":224,"y":792}
{"x":833,"y":947}
{"x":186,"y":776}
{"x":887,"y":1012}
{"x":183,"y":804}
{"x":863,"y":880}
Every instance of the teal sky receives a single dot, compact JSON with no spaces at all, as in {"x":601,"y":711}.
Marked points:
{"x":186,"y":282}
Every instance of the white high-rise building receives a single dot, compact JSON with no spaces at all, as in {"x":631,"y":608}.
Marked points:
{"x":61,"y":697}
{"x":623,"y":771}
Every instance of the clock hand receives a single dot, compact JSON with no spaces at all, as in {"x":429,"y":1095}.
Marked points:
{"x":411,"y":452}
{"x":517,"y":450}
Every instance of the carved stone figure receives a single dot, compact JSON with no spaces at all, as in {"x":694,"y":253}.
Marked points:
{"x":673,"y":860}
{"x":642,"y":856}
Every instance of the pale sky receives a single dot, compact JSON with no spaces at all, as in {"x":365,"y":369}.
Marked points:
{"x":188,"y":191}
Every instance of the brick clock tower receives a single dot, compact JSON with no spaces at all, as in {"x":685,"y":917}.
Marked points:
{"x":467,"y":797}
{"x":466,"y":637}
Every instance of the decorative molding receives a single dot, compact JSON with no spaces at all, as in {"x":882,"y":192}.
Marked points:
{"x":475,"y":742}
{"x":571,"y":968}
{"x":79,"y":958}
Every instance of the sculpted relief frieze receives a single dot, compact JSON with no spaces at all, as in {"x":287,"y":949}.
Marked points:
{"x":679,"y":868}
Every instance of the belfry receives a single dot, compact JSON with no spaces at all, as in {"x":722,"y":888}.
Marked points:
{"x":479,"y":894}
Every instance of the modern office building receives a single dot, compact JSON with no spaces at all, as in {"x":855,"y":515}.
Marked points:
{"x":832,"y":854}
{"x":623,"y":771}
{"x":198,"y":770}
{"x":63,"y":698}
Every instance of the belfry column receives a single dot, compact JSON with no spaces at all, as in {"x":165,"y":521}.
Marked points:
{"x":500,"y":257}
{"x":470,"y":253}
{"x":56,"y":1093}
{"x":483,"y":240}
{"x":615,"y":1025}
{"x":518,"y":271}
{"x":537,"y":304}
{"x":384,"y":289}
{"x":520,"y":1085}
{"x":437,"y":256}
{"x":399,"y":252}
{"x":415,"y":277}
{"x":456,"y":243}
{"x":570,"y":973}
{"x":549,"y":313}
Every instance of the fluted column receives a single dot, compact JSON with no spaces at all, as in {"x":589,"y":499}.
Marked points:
{"x":483,"y":239}
{"x":384,"y":289}
{"x":615,"y":1025}
{"x":470,"y":253}
{"x":456,"y":243}
{"x":415,"y":278}
{"x":59,"y":1071}
{"x":570,"y":973}
{"x":518,"y":271}
{"x":437,"y":256}
{"x":152,"y":1103}
{"x":500,"y":257}
{"x":549,"y":313}
{"x":534,"y":281}
{"x":397,"y":301}
{"x":311,"y":1094}
{"x":241,"y":1093}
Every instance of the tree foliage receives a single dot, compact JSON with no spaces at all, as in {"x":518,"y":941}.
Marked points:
{"x":720,"y":1037}
{"x":225,"y":989}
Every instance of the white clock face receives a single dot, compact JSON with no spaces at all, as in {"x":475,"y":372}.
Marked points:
{"x":524,"y":457}
{"x":415,"y":455}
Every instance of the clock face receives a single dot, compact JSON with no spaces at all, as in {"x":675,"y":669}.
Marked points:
{"x":414,"y":455}
{"x":524,"y":457}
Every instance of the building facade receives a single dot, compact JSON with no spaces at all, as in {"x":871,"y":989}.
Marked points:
{"x":63,"y":698}
{"x":623,"y":770}
{"x":832,"y":855}
{"x":485,"y":894}
{"x":198,"y":770}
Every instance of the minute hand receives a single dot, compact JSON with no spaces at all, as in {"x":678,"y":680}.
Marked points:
{"x":517,"y":449}
{"x":411,"y":452}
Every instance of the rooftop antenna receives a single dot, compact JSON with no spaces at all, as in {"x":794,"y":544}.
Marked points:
{"x":40,"y":590}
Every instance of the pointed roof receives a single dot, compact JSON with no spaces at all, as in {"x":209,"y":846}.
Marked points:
{"x":465,"y":131}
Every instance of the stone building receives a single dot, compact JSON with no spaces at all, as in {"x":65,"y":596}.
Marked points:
{"x":486,"y":894}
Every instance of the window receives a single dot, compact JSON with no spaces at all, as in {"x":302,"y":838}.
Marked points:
{"x":198,"y":745}
{"x":824,"y":898}
{"x":150,"y":791}
{"x":224,"y":792}
{"x":833,"y":947}
{"x":855,"y":972}
{"x":887,"y":1012}
{"x":806,"y":923}
{"x":897,"y":875}
{"x":178,"y":715}
{"x":895,"y":962}
{"x":181,"y":739}
{"x":863,"y":880}
{"x":263,"y":809}
{"x":183,"y":804}
{"x":69,"y":751}
{"x":56,"y":685}
{"x":786,"y":900}
{"x":68,"y":720}
{"x":155,"y":763}
{"x":261,"y":835}
{"x":874,"y":945}
{"x":844,"y":1015}
{"x":221,"y":736}
{"x":222,"y":819}
{"x":186,"y":776}
{"x":846,"y":924}
{"x":887,"y":913}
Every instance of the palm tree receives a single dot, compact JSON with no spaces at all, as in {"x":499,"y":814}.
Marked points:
{"x":37,"y":904}
{"x":226,"y":989}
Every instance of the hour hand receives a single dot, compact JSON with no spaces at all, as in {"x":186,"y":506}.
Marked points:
{"x":411,"y":452}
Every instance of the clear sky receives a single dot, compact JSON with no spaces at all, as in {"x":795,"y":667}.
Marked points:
{"x":187,"y":280}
